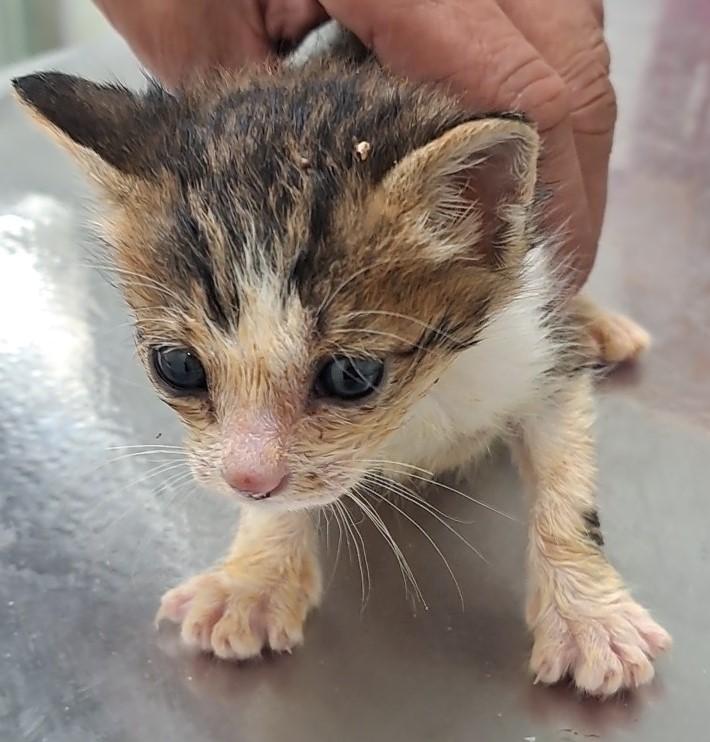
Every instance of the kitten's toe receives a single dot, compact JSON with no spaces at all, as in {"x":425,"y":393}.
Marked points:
{"x":602,"y":654}
{"x":617,"y":338}
{"x":610,"y":337}
{"x":175,"y":603}
{"x":236,"y":617}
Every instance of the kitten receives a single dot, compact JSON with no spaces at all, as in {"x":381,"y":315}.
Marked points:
{"x":330,"y":268}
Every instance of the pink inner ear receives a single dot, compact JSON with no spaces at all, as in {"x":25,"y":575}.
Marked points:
{"x":491,"y":185}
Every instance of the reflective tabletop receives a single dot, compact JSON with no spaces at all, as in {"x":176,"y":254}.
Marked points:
{"x":93,"y":527}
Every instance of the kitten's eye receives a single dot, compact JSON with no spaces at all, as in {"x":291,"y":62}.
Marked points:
{"x":349,"y":378}
{"x":180,"y":370}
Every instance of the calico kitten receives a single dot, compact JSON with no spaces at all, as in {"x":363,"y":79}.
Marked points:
{"x":331,"y":268}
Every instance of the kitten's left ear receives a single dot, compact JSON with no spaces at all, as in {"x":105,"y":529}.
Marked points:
{"x":101,"y":124}
{"x":469,"y":192}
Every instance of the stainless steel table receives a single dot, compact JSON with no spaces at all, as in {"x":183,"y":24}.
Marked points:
{"x":88,"y":541}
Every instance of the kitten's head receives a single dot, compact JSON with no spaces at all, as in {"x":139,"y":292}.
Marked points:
{"x":305,"y":251}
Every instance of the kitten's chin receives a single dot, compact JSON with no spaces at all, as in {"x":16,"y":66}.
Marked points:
{"x":286,"y":498}
{"x":290,"y":502}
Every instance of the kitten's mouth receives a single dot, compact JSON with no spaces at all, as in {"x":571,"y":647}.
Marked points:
{"x":282,"y":487}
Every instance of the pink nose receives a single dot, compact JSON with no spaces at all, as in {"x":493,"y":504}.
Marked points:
{"x":258,"y":484}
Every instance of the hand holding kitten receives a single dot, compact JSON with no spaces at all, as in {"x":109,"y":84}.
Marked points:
{"x":546,"y":58}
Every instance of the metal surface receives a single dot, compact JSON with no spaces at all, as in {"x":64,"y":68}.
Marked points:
{"x":88,"y":546}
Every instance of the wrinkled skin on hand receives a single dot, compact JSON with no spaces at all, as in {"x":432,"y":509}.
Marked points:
{"x":545,"y":58}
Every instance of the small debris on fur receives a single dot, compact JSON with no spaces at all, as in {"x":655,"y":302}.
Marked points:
{"x":303,"y":162}
{"x":362,"y":150}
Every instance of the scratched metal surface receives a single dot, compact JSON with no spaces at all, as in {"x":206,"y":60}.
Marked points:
{"x":88,"y":544}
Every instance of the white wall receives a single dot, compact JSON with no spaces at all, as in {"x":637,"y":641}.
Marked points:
{"x":80,"y":21}
{"x":29,"y":27}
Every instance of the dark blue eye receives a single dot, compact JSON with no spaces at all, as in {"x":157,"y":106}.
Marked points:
{"x":179,"y":370}
{"x":349,"y":379}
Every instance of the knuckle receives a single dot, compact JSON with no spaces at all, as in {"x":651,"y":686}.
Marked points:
{"x":592,"y":96}
{"x":595,"y":107}
{"x":543,"y":94}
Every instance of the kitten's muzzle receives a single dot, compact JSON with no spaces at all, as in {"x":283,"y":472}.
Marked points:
{"x":253,"y":463}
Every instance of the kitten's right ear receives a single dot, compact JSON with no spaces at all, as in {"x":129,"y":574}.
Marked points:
{"x":100,"y":124}
{"x":469,"y":192}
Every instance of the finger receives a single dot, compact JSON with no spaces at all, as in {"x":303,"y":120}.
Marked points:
{"x":475,"y":50}
{"x":291,"y":20}
{"x":572,"y":42}
{"x":177,"y":40}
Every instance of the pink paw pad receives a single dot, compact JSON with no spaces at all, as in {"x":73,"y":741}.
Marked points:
{"x":602,"y":654}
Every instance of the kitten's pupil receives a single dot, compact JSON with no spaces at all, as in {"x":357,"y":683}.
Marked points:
{"x":180,"y":370}
{"x":349,"y":378}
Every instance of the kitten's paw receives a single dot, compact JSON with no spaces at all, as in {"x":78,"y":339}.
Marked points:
{"x":236,"y":617}
{"x":610,"y":337}
{"x":603,"y":654}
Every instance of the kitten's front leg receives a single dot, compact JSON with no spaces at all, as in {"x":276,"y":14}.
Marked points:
{"x":584,"y":622}
{"x":260,"y":595}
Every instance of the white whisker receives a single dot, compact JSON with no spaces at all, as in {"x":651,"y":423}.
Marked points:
{"x":408,"y":494}
{"x":408,"y":577}
{"x":431,"y":541}
{"x":406,"y":318}
{"x":435,"y":513}
{"x":429,"y":479}
{"x":361,"y":557}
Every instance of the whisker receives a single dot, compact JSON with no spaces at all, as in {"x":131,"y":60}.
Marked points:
{"x":110,"y":462}
{"x":353,"y":530}
{"x":331,"y":296}
{"x":334,"y":512}
{"x":408,"y":577}
{"x":339,"y":506}
{"x":406,"y":318}
{"x":162,"y":468}
{"x":149,"y":282}
{"x":408,"y":494}
{"x":176,"y":480}
{"x":112,"y":524}
{"x":436,"y":483}
{"x":381,"y":333}
{"x":435,"y":513}
{"x":154,"y":446}
{"x":397,"y":463}
{"x":464,"y":495}
{"x":431,"y":541}
{"x":167,"y":456}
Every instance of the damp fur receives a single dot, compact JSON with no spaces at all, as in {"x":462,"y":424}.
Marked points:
{"x":272,"y":218}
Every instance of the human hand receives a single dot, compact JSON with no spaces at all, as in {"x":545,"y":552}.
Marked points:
{"x":176,"y":38}
{"x":546,"y":58}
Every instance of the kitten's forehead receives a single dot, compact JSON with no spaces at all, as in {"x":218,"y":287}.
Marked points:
{"x":259,"y":170}
{"x":262,"y":198}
